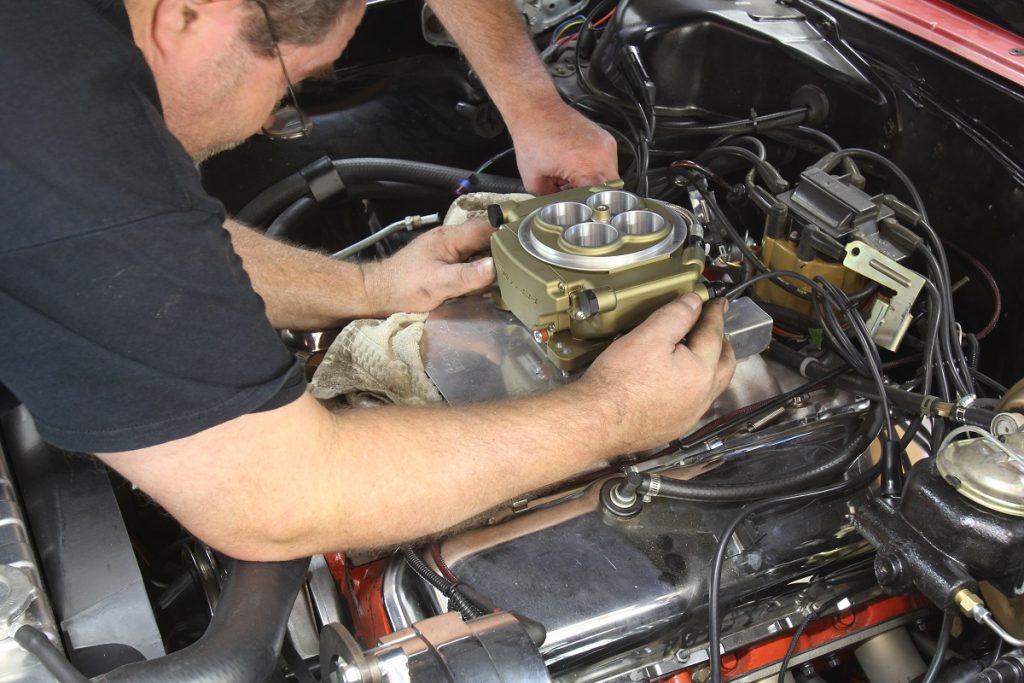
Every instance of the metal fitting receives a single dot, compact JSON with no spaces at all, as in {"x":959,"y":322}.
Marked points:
{"x":970,"y":604}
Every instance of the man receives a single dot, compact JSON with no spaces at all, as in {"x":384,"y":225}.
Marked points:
{"x":131,"y":330}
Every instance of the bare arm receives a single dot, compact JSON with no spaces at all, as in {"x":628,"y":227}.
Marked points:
{"x":306,"y":290}
{"x":301,"y":480}
{"x":555,"y":145}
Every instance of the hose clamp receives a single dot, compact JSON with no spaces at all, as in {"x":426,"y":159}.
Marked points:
{"x":653,"y":488}
{"x":928,"y":405}
{"x":960,"y":412}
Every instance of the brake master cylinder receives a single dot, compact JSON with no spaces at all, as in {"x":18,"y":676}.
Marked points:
{"x":582,"y":266}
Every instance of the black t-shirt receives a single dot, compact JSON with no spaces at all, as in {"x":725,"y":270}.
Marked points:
{"x":126,"y":319}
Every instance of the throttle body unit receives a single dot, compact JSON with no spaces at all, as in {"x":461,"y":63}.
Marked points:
{"x":581,"y":266}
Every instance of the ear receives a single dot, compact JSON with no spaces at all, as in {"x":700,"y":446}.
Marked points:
{"x":198,"y":24}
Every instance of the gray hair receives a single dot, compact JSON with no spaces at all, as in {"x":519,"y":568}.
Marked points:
{"x":298,"y":22}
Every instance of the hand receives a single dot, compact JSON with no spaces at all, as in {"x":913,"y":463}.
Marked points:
{"x":556,"y":146}
{"x":655,"y":388}
{"x":430,"y":270}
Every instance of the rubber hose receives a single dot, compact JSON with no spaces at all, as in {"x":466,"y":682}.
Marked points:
{"x":794,"y":481}
{"x":294,"y":215}
{"x":389,"y":190}
{"x":271,"y":201}
{"x":243,"y":641}
{"x":354,"y":172}
{"x":419,"y":173}
{"x":973,"y":351}
{"x":1007,"y":669}
{"x":36,"y":642}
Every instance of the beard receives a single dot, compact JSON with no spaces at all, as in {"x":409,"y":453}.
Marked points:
{"x":208,"y":112}
{"x":206,"y":153}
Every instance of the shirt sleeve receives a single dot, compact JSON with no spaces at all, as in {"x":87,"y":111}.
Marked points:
{"x":138,"y":334}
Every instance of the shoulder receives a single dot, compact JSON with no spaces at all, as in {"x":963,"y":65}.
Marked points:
{"x":85,"y":145}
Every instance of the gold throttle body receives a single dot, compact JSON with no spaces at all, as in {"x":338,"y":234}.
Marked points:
{"x":582,"y":266}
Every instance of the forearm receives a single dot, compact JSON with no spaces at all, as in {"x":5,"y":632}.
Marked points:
{"x":446,"y":465}
{"x":492,"y":36}
{"x":302,"y":289}
{"x":301,"y":480}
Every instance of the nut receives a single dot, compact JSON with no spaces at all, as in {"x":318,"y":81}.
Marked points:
{"x":968,"y":602}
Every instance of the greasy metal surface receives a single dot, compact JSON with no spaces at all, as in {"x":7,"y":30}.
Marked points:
{"x":473,"y":351}
{"x":986,"y":474}
{"x":906,"y":559}
{"x":601,"y":584}
{"x":23,"y":598}
{"x":989,"y":544}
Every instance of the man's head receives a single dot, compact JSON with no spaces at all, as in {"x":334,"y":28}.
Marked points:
{"x":216,"y":65}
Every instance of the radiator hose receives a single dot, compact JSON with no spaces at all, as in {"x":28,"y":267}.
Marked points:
{"x":243,"y":640}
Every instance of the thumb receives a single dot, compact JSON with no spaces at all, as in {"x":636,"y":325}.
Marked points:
{"x":471,"y":276}
{"x":673,"y":321}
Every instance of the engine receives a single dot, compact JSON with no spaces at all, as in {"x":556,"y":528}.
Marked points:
{"x":727,"y":554}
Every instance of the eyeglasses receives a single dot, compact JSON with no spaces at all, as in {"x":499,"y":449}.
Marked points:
{"x":290,"y":122}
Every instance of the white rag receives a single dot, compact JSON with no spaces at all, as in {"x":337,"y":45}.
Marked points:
{"x":382,"y":357}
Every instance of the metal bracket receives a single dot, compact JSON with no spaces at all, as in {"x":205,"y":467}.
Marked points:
{"x":889,"y":320}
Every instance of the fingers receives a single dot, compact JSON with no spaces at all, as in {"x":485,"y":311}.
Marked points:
{"x":540,"y":185}
{"x":588,"y":179}
{"x":708,"y":335}
{"x":673,"y":321}
{"x":462,"y":241}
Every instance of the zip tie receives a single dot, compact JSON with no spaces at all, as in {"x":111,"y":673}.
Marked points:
{"x":927,"y":405}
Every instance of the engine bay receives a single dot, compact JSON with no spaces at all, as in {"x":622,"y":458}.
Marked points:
{"x":850,"y":509}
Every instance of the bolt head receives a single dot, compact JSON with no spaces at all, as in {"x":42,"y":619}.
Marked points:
{"x":888,"y":569}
